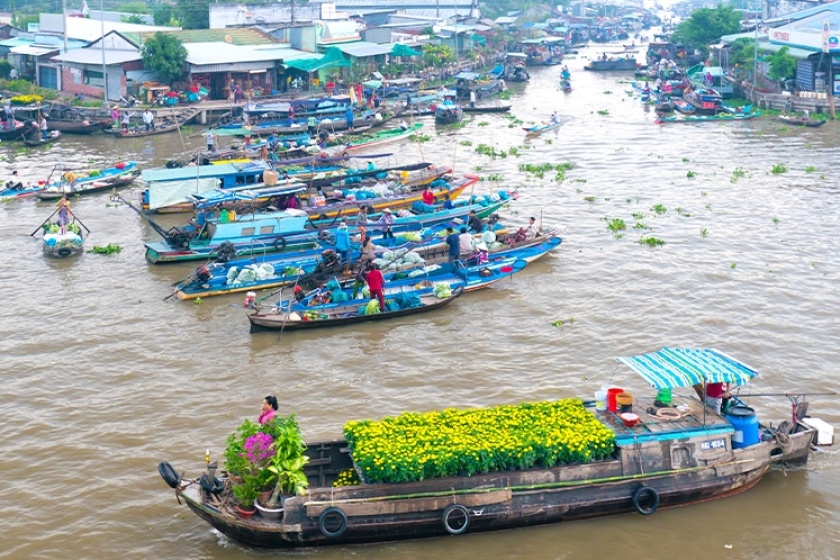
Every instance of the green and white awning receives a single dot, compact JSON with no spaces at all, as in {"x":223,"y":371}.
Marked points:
{"x":684,"y":367}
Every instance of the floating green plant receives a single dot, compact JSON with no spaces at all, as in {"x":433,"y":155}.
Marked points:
{"x":686,"y":160}
{"x":732,"y":266}
{"x":495,"y":177}
{"x":484,"y":123}
{"x":640,"y":225}
{"x":638,"y":215}
{"x":658,"y":209}
{"x":704,"y":232}
{"x":616,"y":224}
{"x":691,"y":174}
{"x":778,"y":169}
{"x":589,"y":198}
{"x":810,"y":169}
{"x":603,"y":112}
{"x":775,"y":220}
{"x":682,"y":212}
{"x":466,"y":143}
{"x":651,"y":241}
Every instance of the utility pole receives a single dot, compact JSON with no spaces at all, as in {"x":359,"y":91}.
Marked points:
{"x":829,"y":79}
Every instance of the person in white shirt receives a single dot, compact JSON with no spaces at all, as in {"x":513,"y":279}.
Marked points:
{"x":149,"y":119}
{"x":466,"y":243}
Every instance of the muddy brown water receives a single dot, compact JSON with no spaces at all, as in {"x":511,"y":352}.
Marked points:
{"x":102,"y":379}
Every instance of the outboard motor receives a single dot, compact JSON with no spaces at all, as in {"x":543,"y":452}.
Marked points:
{"x":226,"y":252}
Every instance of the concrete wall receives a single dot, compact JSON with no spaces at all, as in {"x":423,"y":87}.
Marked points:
{"x":225,"y":15}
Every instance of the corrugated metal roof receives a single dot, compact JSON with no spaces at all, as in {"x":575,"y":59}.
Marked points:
{"x":94,"y":56}
{"x":33,"y":50}
{"x":229,"y":35}
{"x":684,"y":367}
{"x":363,"y":48}
{"x":201,"y":54}
{"x":795,"y":52}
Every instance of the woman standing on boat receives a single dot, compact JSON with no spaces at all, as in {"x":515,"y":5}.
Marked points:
{"x":376,"y":285}
{"x":63,"y":213}
{"x":269,"y":409}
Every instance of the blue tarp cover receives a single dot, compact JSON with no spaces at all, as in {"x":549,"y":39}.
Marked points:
{"x":683,"y":367}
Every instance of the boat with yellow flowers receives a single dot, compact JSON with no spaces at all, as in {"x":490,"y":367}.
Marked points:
{"x":457,"y":471}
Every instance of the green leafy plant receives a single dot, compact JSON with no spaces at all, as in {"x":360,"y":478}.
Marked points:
{"x":779,"y":169}
{"x":775,"y":220}
{"x":164,"y":55}
{"x":659,"y":209}
{"x":484,"y":123}
{"x":589,"y":198}
{"x":704,"y":233}
{"x":108,"y":249}
{"x":640,"y":225}
{"x":603,"y":112}
{"x":683,"y":212}
{"x":651,"y":241}
{"x":810,"y":169}
{"x":465,"y":143}
{"x":638,"y":215}
{"x":616,"y":225}
{"x":288,"y":461}
{"x":691,"y":174}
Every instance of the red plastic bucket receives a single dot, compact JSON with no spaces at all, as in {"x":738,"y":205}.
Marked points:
{"x":611,"y":394}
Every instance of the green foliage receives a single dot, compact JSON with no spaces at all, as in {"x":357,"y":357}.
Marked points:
{"x":779,"y":169}
{"x":615,"y":225}
{"x":134,"y":8}
{"x":164,"y":55}
{"x":133,"y":18}
{"x":707,"y":25}
{"x":193,"y":14}
{"x":782,"y":65}
{"x":742,"y":56}
{"x":651,"y":241}
{"x":438,"y":55}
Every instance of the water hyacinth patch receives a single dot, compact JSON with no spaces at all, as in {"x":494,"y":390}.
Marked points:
{"x":453,"y":442}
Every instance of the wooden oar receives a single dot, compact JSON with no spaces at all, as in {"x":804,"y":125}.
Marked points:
{"x":44,"y":222}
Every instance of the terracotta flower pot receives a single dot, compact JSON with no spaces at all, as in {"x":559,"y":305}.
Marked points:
{"x":246,"y":511}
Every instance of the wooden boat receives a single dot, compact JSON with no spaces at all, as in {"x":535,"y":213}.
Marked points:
{"x":705,"y":101}
{"x":330,"y":125}
{"x":382,"y":137}
{"x":23,"y":191}
{"x":343,"y":315}
{"x":798,"y":121}
{"x":251,"y":233}
{"x":162,"y":126}
{"x":488,"y":108}
{"x":656,"y":458}
{"x":94,"y":181}
{"x":302,"y":267}
{"x":70,"y":120}
{"x":542,"y":127}
{"x":62,"y":245}
{"x":448,"y":113}
{"x":720,"y":117}
{"x":37,"y":140}
{"x":617,"y":65}
{"x":15,"y":133}
{"x":682,"y":106}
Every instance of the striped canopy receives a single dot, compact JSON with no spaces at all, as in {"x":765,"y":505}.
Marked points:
{"x":683,"y":367}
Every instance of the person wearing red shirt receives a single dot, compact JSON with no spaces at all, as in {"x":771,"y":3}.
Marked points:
{"x":376,"y":283}
{"x":428,"y":195}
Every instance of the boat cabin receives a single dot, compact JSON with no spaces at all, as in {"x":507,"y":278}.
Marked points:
{"x":227,"y":226}
{"x":229,"y":174}
{"x":712,"y":77}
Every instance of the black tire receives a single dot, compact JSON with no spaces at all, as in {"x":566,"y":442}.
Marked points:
{"x":645,"y":494}
{"x":213,"y":487}
{"x":332,"y":522}
{"x":279,"y":243}
{"x":456,"y":519}
{"x":64,"y":252}
{"x":169,"y":474}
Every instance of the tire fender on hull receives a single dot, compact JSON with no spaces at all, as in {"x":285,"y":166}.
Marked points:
{"x":169,"y":474}
{"x":456,"y":519}
{"x":645,"y":500}
{"x":332,"y":522}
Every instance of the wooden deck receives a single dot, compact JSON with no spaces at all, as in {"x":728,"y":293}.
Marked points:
{"x":696,"y":418}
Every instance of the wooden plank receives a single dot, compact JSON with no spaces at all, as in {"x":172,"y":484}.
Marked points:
{"x":410,"y":505}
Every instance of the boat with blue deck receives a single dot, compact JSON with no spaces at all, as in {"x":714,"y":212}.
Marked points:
{"x":601,"y":463}
{"x":250,"y":233}
{"x":275,"y":270}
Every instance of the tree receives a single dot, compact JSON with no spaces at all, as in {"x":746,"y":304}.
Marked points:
{"x":742,"y":56}
{"x":133,"y":18}
{"x":707,"y":25}
{"x":782,"y":65}
{"x":164,"y":55}
{"x":193,"y":14}
{"x":438,"y":55}
{"x":163,"y":14}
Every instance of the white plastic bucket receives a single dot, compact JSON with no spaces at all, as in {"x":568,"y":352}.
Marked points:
{"x":600,"y":400}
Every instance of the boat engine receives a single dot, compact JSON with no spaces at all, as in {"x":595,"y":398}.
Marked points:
{"x":226,"y":252}
{"x":178,"y":239}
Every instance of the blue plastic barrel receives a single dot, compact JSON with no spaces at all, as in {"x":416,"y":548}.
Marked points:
{"x":745,"y":422}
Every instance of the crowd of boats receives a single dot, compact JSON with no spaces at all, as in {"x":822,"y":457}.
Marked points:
{"x":300,"y":217}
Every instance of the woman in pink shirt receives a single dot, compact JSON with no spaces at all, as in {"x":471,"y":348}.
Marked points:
{"x":269,"y":409}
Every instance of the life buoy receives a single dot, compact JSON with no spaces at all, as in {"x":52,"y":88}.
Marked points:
{"x":169,"y":474}
{"x":279,"y":243}
{"x":64,"y":252}
{"x":332,"y":522}
{"x":456,"y":519}
{"x":645,"y":494}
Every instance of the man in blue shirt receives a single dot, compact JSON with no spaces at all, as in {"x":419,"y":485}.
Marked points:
{"x":454,"y":243}
{"x":348,"y":115}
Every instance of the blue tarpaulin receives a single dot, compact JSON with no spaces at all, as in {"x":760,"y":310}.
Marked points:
{"x":684,"y":367}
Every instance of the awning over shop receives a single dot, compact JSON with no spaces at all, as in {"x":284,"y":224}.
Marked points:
{"x":362,"y":49}
{"x":404,"y":50}
{"x":333,"y":58}
{"x":32,"y":50}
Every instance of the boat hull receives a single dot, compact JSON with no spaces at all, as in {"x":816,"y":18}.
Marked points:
{"x":508,"y":499}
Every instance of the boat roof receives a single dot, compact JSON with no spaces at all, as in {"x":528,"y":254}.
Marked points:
{"x":684,"y":367}
{"x":200,"y":171}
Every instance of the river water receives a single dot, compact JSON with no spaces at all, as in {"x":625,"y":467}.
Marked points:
{"x":103,"y":378}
